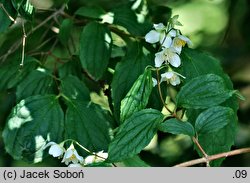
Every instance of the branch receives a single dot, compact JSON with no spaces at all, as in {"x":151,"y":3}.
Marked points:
{"x":18,"y":43}
{"x":214,"y":157}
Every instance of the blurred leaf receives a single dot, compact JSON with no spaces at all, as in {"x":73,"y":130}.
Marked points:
{"x":203,"y":92}
{"x":39,"y":81}
{"x":75,"y":89}
{"x":11,"y":74}
{"x":137,"y":97}
{"x":213,"y":119}
{"x":134,"y":134}
{"x":176,"y":127}
{"x":30,"y":125}
{"x":65,"y":31}
{"x":95,"y":49}
{"x":126,"y":72}
{"x":160,"y":14}
{"x":91,"y":12}
{"x":135,"y":161}
{"x":24,"y":8}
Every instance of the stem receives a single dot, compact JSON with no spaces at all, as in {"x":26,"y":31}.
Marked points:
{"x":214,"y":157}
{"x":160,"y":93}
{"x":201,"y":149}
{"x":23,"y":45}
{"x":7,"y":13}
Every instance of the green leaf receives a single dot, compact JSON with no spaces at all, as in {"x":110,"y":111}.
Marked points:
{"x":135,"y":161}
{"x":95,"y":49}
{"x":24,"y":8}
{"x":213,"y":119}
{"x":220,"y":141}
{"x":95,"y":12}
{"x":126,"y":72}
{"x":39,"y":81}
{"x":11,"y":74}
{"x":75,"y":89}
{"x":71,"y":68}
{"x":203,"y":92}
{"x":87,"y":124}
{"x":65,"y":31}
{"x":176,"y":127}
{"x":134,"y":134}
{"x":5,"y":21}
{"x":32,"y":123}
{"x":137,"y":97}
{"x":126,"y":17}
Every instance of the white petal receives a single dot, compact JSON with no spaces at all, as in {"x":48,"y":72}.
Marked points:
{"x":177,"y":49}
{"x":175,"y":60}
{"x":75,"y":165}
{"x":90,"y":159}
{"x":152,"y":37}
{"x":158,"y":59}
{"x":102,"y":154}
{"x":159,"y":26}
{"x":166,"y":42}
{"x":49,"y":144}
{"x":56,"y":150}
{"x":172,"y":33}
{"x":154,"y":82}
{"x":175,"y":80}
{"x":167,"y":75}
{"x":80,"y":158}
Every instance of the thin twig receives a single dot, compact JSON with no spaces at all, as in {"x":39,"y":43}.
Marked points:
{"x":23,"y":45}
{"x":18,"y":43}
{"x":201,"y":149}
{"x":214,"y":157}
{"x":160,"y":93}
{"x":7,"y":13}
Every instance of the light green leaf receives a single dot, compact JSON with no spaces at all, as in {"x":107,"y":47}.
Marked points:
{"x":126,"y":73}
{"x":137,"y":97}
{"x":213,"y":119}
{"x":65,"y":31}
{"x":24,"y":8}
{"x":87,"y":124}
{"x":134,"y":134}
{"x":95,"y":49}
{"x":203,"y":92}
{"x":176,"y":127}
{"x":32,"y":123}
{"x":73,"y":88}
{"x":39,"y":81}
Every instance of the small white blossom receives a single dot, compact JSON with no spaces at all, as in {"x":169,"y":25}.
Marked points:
{"x":171,"y":77}
{"x":179,"y":42}
{"x":71,"y":155}
{"x":154,"y":82}
{"x":160,"y":34}
{"x":167,"y":55}
{"x":96,"y":158}
{"x":56,"y":150}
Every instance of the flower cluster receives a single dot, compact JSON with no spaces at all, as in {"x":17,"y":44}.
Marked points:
{"x":171,"y":42}
{"x":71,"y":157}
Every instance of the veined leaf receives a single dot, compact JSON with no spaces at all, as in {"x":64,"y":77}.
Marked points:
{"x":32,"y":123}
{"x":65,"y":31}
{"x":39,"y":81}
{"x":126,"y":73}
{"x":135,"y":161}
{"x":134,"y":134}
{"x":87,"y":124}
{"x":91,"y":12}
{"x":95,"y":49}
{"x":137,"y":97}
{"x":176,"y":127}
{"x":75,"y":89}
{"x":203,"y":92}
{"x":213,"y":119}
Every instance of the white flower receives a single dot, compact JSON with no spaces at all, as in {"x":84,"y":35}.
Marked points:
{"x":96,"y":158}
{"x":154,"y":82}
{"x":171,"y":77}
{"x":160,"y":35}
{"x":179,"y":42}
{"x":56,"y":150}
{"x":167,"y":55}
{"x":71,"y":155}
{"x":75,"y":165}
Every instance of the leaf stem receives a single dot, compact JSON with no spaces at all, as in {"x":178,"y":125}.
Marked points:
{"x":214,"y":157}
{"x":201,"y":149}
